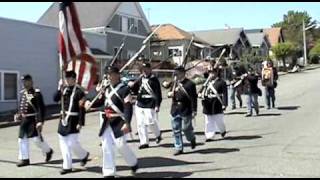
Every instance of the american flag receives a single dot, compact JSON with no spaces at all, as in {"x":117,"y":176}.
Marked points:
{"x":74,"y":53}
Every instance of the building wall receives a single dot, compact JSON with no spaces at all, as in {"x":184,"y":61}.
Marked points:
{"x":33,"y":49}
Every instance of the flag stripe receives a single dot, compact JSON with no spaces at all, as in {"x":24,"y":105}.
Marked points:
{"x":74,"y":51}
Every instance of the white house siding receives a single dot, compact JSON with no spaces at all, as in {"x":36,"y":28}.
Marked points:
{"x":32,"y":49}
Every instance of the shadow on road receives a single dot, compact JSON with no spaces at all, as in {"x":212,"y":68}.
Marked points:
{"x":164,"y":174}
{"x":152,"y":162}
{"x":270,"y":114}
{"x":232,"y":113}
{"x":170,"y":145}
{"x":232,"y":138}
{"x":213,"y":150}
{"x":288,"y":107}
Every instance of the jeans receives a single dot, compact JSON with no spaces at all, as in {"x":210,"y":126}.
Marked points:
{"x":270,"y":96}
{"x":179,"y":124}
{"x":233,"y":92}
{"x":252,"y":102}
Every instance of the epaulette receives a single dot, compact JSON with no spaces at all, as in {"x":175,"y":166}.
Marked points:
{"x":37,"y":90}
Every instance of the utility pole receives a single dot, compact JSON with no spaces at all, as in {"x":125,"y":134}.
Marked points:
{"x":304,"y":44}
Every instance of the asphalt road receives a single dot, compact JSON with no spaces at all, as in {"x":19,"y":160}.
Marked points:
{"x":281,"y":142}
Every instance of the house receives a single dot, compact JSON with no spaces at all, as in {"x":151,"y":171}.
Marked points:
{"x":171,"y":43}
{"x":32,"y":48}
{"x":259,"y":42}
{"x":234,"y":40}
{"x":116,"y":20}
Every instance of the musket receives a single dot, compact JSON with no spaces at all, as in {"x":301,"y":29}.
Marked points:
{"x":144,"y":45}
{"x":105,"y":82}
{"x":184,"y":62}
{"x":121,"y":47}
{"x":202,"y":90}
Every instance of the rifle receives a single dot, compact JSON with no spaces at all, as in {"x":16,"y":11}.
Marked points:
{"x":205,"y":85}
{"x":141,"y":49}
{"x":184,"y":62}
{"x":121,"y":47}
{"x":105,"y":82}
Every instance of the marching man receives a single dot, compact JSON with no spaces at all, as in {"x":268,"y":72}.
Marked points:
{"x":183,"y":110}
{"x":148,"y":105}
{"x":31,"y":115}
{"x":71,"y":123}
{"x":215,"y":101}
{"x":116,"y":123}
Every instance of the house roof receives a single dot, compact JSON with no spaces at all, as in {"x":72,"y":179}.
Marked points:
{"x":97,"y":14}
{"x":256,"y":39}
{"x":171,"y":32}
{"x":273,"y":35}
{"x":219,"y":37}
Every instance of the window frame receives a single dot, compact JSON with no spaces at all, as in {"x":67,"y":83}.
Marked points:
{"x":2,"y":97}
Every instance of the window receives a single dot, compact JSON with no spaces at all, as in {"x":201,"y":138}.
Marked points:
{"x":130,"y":54}
{"x":8,"y":86}
{"x":125,"y":26}
{"x":175,"y":52}
{"x":134,"y":23}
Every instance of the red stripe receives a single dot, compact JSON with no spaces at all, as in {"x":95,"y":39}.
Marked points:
{"x":76,"y":27}
{"x":82,"y":68}
{"x":62,"y":48}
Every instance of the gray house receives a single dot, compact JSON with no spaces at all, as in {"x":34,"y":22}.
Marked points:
{"x":113,"y":19}
{"x":31,"y":48}
{"x":171,"y":43}
{"x":234,"y":40}
{"x":259,"y":42}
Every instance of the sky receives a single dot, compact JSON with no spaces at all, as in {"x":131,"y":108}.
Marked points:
{"x":190,"y":16}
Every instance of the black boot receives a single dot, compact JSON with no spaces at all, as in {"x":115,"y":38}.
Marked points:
{"x":223,"y":134}
{"x":134,"y":169}
{"x":65,"y":171}
{"x":22,"y":163}
{"x":84,"y":161}
{"x":177,"y":152}
{"x":144,"y":146}
{"x":193,"y":143}
{"x":158,"y":139}
{"x":49,"y":155}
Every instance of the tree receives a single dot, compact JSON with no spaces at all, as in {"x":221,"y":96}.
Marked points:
{"x":315,"y":53}
{"x":292,"y":29}
{"x":283,"y":50}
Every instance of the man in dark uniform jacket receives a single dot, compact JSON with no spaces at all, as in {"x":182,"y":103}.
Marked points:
{"x":71,"y":122}
{"x":215,"y":101}
{"x":236,"y":86}
{"x":183,"y":109}
{"x":117,"y":115}
{"x":31,"y":114}
{"x":148,"y":104}
{"x":252,"y":91}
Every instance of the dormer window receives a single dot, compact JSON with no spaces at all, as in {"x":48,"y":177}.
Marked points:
{"x":126,"y":23}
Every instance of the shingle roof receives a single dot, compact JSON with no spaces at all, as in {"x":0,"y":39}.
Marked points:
{"x":256,"y":39}
{"x":91,"y":14}
{"x":273,"y":35}
{"x":220,"y":36}
{"x":171,"y":32}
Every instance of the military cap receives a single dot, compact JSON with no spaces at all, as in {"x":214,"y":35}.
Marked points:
{"x":26,"y":77}
{"x":146,"y":64}
{"x":111,"y":69}
{"x":180,"y":69}
{"x":71,"y":74}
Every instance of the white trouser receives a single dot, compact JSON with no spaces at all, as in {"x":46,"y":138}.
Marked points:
{"x":70,"y":143}
{"x":24,"y":147}
{"x":213,"y":124}
{"x":108,"y":143}
{"x":146,"y":117}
